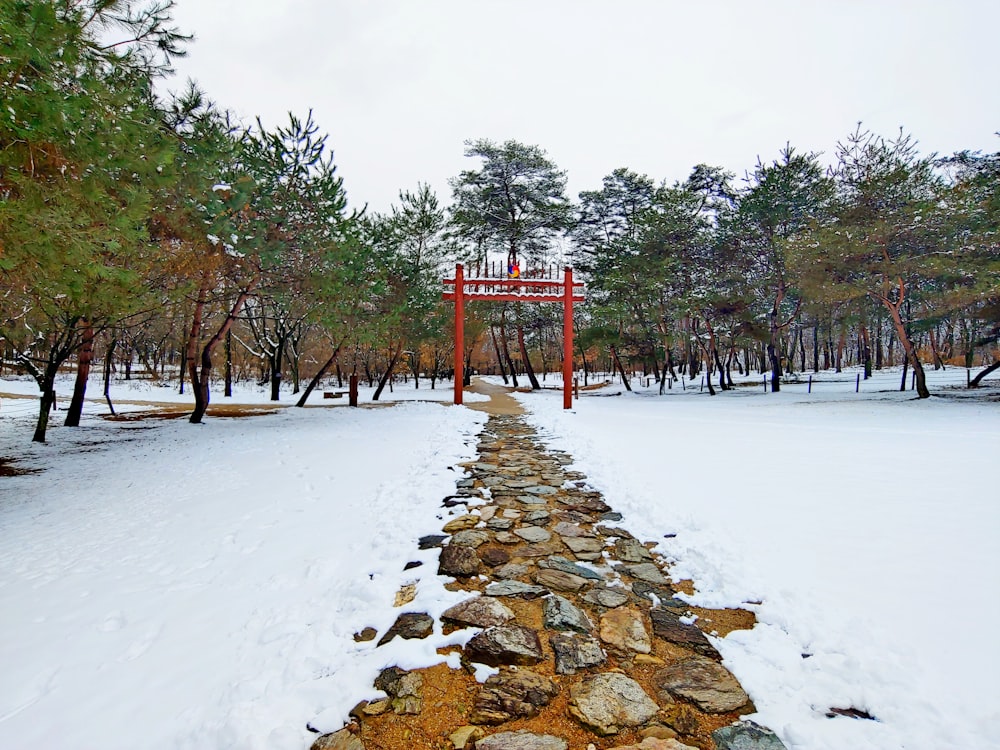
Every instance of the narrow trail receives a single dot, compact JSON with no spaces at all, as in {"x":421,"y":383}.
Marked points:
{"x":587,"y":644}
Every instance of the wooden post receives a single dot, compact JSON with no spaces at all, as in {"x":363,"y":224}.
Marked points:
{"x":576,"y":387}
{"x":459,"y":331}
{"x":568,"y":339}
{"x":857,"y":385}
{"x":353,"y":393}
{"x":810,"y":384}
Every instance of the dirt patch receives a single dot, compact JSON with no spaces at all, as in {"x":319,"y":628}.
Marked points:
{"x":8,"y":468}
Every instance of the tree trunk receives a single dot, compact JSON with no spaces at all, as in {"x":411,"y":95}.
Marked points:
{"x":200,"y":379}
{"x":909,"y":349}
{"x":528,"y":369}
{"x":107,"y":373}
{"x":496,"y":348}
{"x":388,"y":371}
{"x":974,"y":383}
{"x":866,"y":350}
{"x":84,"y":358}
{"x":45,"y":404}
{"x":229,"y":364}
{"x":319,"y":375}
{"x":506,"y":348}
{"x":618,"y":365}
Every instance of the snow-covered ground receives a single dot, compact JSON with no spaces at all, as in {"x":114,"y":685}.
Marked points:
{"x":866,"y":525}
{"x":178,"y":586}
{"x":167,"y":585}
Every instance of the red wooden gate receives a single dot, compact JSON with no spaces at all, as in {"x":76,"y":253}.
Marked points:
{"x":526,"y":289}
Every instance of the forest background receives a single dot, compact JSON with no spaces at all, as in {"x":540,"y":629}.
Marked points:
{"x":157,"y":236}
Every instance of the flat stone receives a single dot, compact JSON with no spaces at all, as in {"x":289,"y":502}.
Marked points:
{"x":562,"y":614}
{"x":668,"y":626}
{"x":486,"y":512}
{"x":567,"y":529}
{"x":409,"y":625}
{"x":494,"y":556}
{"x":403,"y":689}
{"x":541,"y":489}
{"x":658,"y":743}
{"x":542,"y":549}
{"x":610,"y":702}
{"x":505,"y":644}
{"x":746,"y":735}
{"x":522,"y":740}
{"x":505,"y":537}
{"x":611,"y":515}
{"x":464,"y":736}
{"x":663,"y":592}
{"x":368,"y":634}
{"x":469,"y":538}
{"x":581,"y":546}
{"x":462,"y":522}
{"x":467,"y":483}
{"x":572,"y":516}
{"x":512,"y":513}
{"x":647,"y":572}
{"x":606,"y":597}
{"x":511,"y":695}
{"x":500,"y":524}
{"x":406,"y":594}
{"x":557,"y":580}
{"x":431,"y":540}
{"x":576,"y":652}
{"x":515,"y":588}
{"x":533,"y":534}
{"x":624,"y":628}
{"x":537,"y":517}
{"x":532,"y":500}
{"x":631,"y":551}
{"x":704,"y":682}
{"x":561,"y":563}
{"x":479,"y":611}
{"x":510,"y":570}
{"x":341,"y":740}
{"x":458,"y":561}
{"x":485,"y":467}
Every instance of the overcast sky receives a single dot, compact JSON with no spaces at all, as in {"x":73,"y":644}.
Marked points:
{"x":657,"y":87}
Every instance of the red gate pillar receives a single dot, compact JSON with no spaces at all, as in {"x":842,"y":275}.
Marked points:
{"x":459,"y":331}
{"x":568,"y":340}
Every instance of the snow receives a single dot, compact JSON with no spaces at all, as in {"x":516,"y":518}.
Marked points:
{"x":865,"y":525}
{"x":181,"y":586}
{"x":178,"y":586}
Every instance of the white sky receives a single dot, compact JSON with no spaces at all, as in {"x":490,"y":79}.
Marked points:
{"x":654,"y":86}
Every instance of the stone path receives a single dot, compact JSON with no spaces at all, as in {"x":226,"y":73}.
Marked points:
{"x":593,"y":648}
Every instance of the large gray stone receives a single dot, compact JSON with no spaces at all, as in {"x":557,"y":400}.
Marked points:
{"x":631,"y":551}
{"x":566,"y":528}
{"x":746,"y":735}
{"x":515,"y":588}
{"x":606,"y":597}
{"x":576,"y":652}
{"x":469,"y":538}
{"x":480,"y":612}
{"x":533,"y":534}
{"x":511,"y":695}
{"x":521,"y":740}
{"x":668,"y":626}
{"x":557,"y":580}
{"x":557,"y":562}
{"x":647,"y":572}
{"x":505,"y":644}
{"x":510,"y":570}
{"x":561,"y":614}
{"x":409,"y":625}
{"x":704,"y":682}
{"x":342,"y":740}
{"x":625,"y":629}
{"x":610,"y":702}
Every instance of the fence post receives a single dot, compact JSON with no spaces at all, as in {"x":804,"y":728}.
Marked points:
{"x":353,"y":395}
{"x":810,"y":390}
{"x":857,"y":385}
